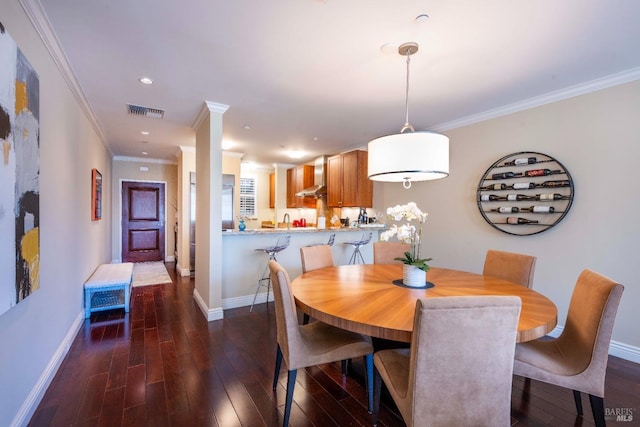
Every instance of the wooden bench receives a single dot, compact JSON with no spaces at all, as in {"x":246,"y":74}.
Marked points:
{"x":108,"y":287}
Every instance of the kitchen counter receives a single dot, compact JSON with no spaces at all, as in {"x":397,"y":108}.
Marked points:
{"x":243,"y":262}
{"x":250,"y":231}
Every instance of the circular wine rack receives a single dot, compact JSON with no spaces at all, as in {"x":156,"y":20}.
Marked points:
{"x":525,"y":193}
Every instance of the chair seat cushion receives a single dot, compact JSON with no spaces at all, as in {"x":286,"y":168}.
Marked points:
{"x":546,"y":355}
{"x":394,"y":364}
{"x":325,"y":344}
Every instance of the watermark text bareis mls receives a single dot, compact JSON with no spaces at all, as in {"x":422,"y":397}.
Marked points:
{"x":619,"y":414}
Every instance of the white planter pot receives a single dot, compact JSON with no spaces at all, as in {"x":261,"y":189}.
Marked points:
{"x":413,"y":276}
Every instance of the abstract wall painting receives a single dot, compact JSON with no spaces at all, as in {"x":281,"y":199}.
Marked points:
{"x":19,"y":175}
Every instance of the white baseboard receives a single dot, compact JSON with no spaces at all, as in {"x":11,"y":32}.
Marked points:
{"x":245,"y":301}
{"x":182,"y":271}
{"x":617,"y":349}
{"x":30,"y":404}
{"x":209,"y":313}
{"x":169,"y":258}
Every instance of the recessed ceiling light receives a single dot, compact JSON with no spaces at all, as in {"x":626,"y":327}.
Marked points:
{"x":246,"y":127}
{"x":145,"y":153}
{"x":422,"y":18}
{"x":146,"y":81}
{"x":144,"y":132}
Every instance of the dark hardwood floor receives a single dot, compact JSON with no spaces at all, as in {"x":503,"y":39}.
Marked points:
{"x":164,"y":365}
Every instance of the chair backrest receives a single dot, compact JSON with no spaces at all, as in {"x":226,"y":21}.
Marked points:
{"x":385,"y":252}
{"x":461,"y":362}
{"x":283,"y":242}
{"x":315,"y":257}
{"x":332,"y":239}
{"x":510,"y":266}
{"x":584,"y":342}
{"x":366,"y":238}
{"x":288,"y":331}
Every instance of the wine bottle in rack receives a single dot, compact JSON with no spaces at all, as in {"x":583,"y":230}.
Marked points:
{"x":557,"y":183}
{"x":522,"y":161}
{"x":541,"y":172}
{"x":495,"y":187}
{"x":518,"y":220}
{"x":506,"y":209}
{"x":551,"y":196}
{"x":506,"y":175}
{"x":539,"y":209}
{"x":521,"y":185}
{"x":519,"y":197}
{"x":491,"y":198}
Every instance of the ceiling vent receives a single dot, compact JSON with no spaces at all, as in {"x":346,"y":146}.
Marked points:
{"x":138,"y":110}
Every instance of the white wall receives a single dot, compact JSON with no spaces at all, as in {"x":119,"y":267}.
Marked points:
{"x":35,"y":333}
{"x":596,"y":137}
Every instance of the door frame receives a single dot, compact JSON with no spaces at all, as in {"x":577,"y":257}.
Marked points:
{"x":167,"y":258}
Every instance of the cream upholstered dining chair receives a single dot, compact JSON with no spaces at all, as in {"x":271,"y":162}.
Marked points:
{"x":577,"y":359}
{"x":459,"y":369}
{"x":313,"y":258}
{"x":308,"y":345}
{"x":510,"y":266}
{"x":385,"y":252}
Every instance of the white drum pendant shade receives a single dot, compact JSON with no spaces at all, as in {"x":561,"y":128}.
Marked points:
{"x":408,"y":157}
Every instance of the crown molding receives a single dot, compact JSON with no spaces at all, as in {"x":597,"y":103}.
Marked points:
{"x":232,"y":154}
{"x":207,"y":108}
{"x":143,"y":160}
{"x":40,"y":21}
{"x":537,"y":101}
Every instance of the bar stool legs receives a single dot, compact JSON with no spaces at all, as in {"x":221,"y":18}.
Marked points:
{"x":357,"y":255}
{"x":265,"y":279}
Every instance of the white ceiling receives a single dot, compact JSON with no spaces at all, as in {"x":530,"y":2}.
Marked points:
{"x":297,"y":70}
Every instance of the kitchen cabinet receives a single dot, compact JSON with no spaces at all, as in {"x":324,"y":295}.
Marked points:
{"x":347,"y":182}
{"x":298,"y":179}
{"x":272,"y":190}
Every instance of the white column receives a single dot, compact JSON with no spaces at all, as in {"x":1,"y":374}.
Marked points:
{"x":208,"y":280}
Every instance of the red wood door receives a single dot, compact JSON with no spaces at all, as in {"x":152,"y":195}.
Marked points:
{"x":142,"y":221}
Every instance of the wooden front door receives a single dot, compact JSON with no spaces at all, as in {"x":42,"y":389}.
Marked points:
{"x":142,"y":221}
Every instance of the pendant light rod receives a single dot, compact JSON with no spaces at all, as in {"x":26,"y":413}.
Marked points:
{"x":407,"y":49}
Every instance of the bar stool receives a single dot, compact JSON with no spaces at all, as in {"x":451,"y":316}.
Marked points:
{"x":332,"y":239}
{"x":265,"y":280}
{"x":356,"y":248}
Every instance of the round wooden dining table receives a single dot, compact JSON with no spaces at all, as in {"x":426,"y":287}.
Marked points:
{"x":363,"y":298}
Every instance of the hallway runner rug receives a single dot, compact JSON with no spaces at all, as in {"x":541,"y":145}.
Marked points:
{"x":150,"y":273}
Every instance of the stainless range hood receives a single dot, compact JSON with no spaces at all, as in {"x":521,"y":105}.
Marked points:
{"x":319,"y":175}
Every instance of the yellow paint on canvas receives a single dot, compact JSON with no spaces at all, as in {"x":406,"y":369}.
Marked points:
{"x":22,"y":99}
{"x":30,"y":250}
{"x":6,"y":148}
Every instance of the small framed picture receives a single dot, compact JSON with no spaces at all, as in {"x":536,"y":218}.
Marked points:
{"x":96,"y":195}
